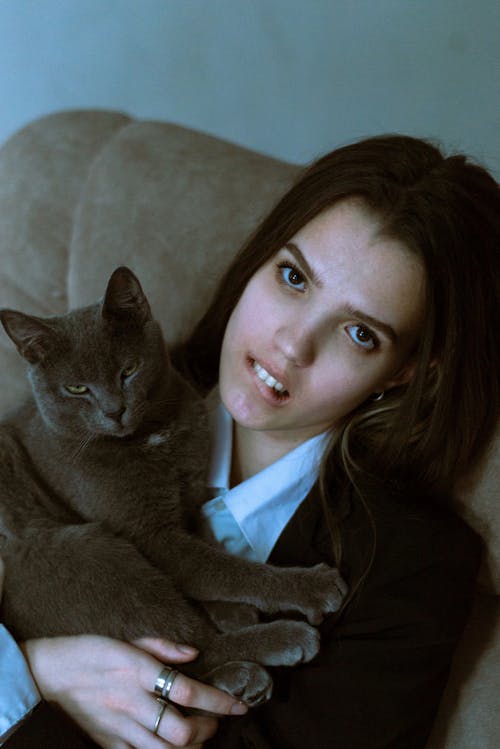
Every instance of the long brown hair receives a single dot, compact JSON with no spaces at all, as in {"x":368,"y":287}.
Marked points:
{"x":447,"y":211}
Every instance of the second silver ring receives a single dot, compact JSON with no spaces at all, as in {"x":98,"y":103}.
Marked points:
{"x":161,"y":709}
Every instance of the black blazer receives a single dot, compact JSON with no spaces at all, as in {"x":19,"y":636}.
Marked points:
{"x":383,"y":665}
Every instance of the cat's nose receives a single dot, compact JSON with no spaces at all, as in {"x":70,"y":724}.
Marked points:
{"x":115,"y":415}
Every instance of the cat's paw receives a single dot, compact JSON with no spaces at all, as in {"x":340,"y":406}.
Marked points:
{"x":320,"y":591}
{"x":244,"y":680}
{"x":288,"y":643}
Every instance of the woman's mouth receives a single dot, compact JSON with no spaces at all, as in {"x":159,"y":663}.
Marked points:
{"x":276,"y":388}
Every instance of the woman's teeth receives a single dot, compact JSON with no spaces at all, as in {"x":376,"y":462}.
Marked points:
{"x":271,"y":381}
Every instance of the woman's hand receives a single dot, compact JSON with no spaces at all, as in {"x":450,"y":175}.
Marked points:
{"x":106,"y":686}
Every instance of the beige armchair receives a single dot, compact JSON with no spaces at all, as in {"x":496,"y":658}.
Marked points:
{"x":84,"y":192}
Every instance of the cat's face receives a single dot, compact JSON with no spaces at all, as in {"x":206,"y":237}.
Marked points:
{"x":97,"y":370}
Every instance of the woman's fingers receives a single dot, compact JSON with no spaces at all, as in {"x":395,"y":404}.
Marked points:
{"x":173,"y":730}
{"x":186,"y":691}
{"x":166,"y":650}
{"x":141,"y":737}
{"x":138,"y":737}
{"x":111,"y":743}
{"x":190,"y":693}
{"x":107,"y":687}
{"x":179,"y":730}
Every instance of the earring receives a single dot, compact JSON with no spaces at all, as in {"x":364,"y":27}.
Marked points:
{"x":377,"y":396}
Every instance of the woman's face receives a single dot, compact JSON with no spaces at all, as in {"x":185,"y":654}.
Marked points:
{"x":330,"y":320}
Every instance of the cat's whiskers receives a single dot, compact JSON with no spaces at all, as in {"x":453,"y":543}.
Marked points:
{"x":88,"y":437}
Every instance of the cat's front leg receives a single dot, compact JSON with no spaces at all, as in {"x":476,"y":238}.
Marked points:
{"x":207,"y":573}
{"x":278,"y":643}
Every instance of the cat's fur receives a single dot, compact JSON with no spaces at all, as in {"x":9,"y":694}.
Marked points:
{"x":99,"y":494}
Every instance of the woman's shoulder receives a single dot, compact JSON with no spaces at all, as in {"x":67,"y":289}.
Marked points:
{"x":412,"y":527}
{"x":386,"y":523}
{"x":411,"y":517}
{"x":417,"y":560}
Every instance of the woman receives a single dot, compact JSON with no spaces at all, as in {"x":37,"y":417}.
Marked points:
{"x":357,"y":327}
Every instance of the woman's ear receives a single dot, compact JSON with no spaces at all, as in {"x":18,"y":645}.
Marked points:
{"x":405,"y":374}
{"x":402,"y":377}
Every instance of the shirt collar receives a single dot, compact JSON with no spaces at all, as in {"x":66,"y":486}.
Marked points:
{"x":263,"y":504}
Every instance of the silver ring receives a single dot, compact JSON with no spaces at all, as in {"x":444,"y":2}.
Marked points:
{"x":161,"y":710}
{"x":164,"y":682}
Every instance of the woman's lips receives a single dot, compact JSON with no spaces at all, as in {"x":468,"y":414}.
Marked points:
{"x":270,"y":381}
{"x":270,"y":386}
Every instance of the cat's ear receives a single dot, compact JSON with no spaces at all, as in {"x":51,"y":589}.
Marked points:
{"x":33,"y":338}
{"x":125,"y":300}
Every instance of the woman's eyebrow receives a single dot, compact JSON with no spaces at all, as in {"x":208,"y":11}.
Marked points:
{"x":364,"y":317}
{"x":348,"y":309}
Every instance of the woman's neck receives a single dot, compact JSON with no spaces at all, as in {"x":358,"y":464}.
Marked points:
{"x":254,"y":450}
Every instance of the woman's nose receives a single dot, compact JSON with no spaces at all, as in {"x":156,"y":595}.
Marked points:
{"x":296,"y":344}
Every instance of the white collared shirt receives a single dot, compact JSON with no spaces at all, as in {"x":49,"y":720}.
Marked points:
{"x":248,"y":519}
{"x":18,"y":694}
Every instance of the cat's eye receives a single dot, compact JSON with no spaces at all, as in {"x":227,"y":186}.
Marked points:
{"x":77,"y":389}
{"x":129,"y":370}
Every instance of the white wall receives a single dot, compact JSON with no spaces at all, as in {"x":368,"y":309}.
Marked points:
{"x":292,"y":78}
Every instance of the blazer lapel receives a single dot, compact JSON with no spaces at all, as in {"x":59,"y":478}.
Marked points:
{"x":301,"y":542}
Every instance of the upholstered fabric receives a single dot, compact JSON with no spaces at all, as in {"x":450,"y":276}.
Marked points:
{"x":84,"y":192}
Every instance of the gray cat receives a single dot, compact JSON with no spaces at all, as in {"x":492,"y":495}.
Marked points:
{"x":101,"y":477}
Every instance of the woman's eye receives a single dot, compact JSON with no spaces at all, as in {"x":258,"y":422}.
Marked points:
{"x":362,"y":336}
{"x":291,"y":276}
{"x":76,"y":389}
{"x":129,"y":370}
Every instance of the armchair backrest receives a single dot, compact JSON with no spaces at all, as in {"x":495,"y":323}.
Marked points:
{"x":83,"y":192}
